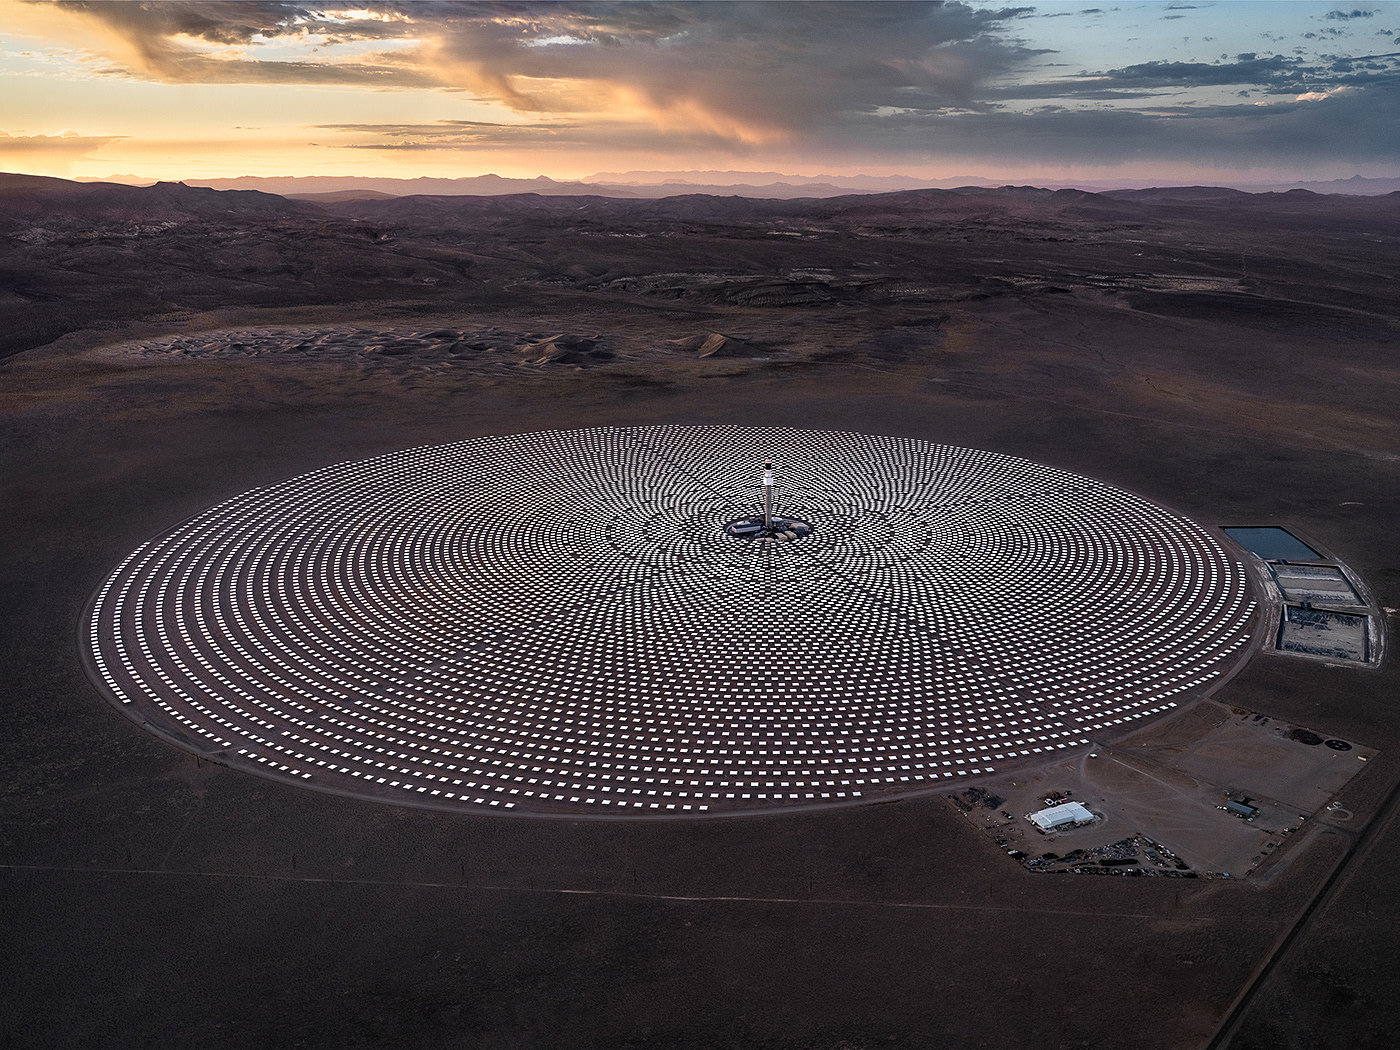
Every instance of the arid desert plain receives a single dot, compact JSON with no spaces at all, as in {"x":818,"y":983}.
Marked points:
{"x":1229,"y":356}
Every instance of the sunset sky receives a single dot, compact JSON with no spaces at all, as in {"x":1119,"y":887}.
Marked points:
{"x":1243,"y":90}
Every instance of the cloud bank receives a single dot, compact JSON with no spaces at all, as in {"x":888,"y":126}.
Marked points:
{"x":893,"y":80}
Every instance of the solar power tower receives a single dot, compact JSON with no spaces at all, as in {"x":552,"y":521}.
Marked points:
{"x":768,"y":526}
{"x":768,"y":494}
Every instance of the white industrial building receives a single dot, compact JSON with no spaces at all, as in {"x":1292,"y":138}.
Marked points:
{"x":1057,"y":818}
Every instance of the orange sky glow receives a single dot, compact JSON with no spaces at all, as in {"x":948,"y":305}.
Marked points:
{"x":210,"y":90}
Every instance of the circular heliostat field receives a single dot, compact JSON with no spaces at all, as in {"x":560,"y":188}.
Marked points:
{"x":562,"y":621}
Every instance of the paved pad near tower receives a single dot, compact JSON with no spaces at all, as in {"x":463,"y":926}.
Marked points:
{"x":560,"y":622}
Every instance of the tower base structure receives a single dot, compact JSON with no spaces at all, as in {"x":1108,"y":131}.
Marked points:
{"x":760,"y":527}
{"x":768,"y":526}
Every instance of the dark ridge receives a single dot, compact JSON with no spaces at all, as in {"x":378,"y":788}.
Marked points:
{"x":32,"y":196}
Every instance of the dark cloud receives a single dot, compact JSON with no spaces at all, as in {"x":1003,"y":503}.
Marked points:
{"x":448,"y":136}
{"x":775,"y":66}
{"x":1087,"y":90}
{"x":233,"y":22}
{"x":455,"y":134}
{"x":1356,"y":67}
{"x":910,"y":80}
{"x":437,"y":127}
{"x":68,"y":144}
{"x":48,"y":152}
{"x":153,"y":32}
{"x":1354,"y":126}
{"x":1270,"y":74}
{"x":1253,"y":70}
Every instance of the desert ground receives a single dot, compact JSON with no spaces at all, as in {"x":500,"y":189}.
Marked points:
{"x":1230,"y":356}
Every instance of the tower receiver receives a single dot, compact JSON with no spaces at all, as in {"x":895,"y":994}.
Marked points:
{"x":768,"y":494}
{"x":768,"y":526}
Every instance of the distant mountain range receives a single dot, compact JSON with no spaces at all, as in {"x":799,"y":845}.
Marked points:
{"x":646,"y":180}
{"x":496,"y":185}
{"x":767,"y":185}
{"x":1356,"y":185}
{"x":345,"y":187}
{"x":658,"y":184}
